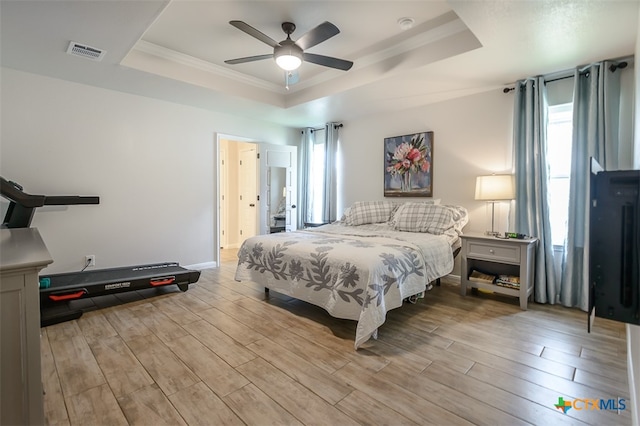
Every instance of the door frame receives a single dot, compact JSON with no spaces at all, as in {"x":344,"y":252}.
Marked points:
{"x":216,"y":219}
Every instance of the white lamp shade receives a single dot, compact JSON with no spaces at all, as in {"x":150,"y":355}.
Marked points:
{"x":495,"y":187}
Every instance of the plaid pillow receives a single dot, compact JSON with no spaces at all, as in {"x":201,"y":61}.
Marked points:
{"x":363,"y":212}
{"x":421,"y":217}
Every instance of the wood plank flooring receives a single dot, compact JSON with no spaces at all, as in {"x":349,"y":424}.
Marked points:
{"x":226,"y":353}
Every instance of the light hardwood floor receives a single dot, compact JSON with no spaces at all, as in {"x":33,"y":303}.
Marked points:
{"x":224,"y":353}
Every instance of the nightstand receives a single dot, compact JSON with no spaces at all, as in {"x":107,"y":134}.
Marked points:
{"x":496,"y":256}
{"x":278,"y":224}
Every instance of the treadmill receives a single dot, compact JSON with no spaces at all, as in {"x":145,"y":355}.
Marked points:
{"x":66,"y":288}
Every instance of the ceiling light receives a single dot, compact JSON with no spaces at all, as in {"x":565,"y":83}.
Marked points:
{"x":288,"y":62}
{"x":288,"y":56}
{"x":406,"y":23}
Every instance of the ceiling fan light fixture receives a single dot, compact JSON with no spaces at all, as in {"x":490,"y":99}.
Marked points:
{"x":288,"y":56}
{"x":288,"y":62}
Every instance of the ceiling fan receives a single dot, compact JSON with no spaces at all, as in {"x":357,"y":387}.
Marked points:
{"x":289,"y":54}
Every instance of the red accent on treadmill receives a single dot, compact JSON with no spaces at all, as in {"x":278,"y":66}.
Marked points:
{"x":76,"y":295}
{"x":162,"y":281}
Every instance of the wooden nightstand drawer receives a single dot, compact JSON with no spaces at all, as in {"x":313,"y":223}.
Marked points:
{"x":494,"y":251}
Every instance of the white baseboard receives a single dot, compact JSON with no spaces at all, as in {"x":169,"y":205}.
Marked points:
{"x":206,"y":265}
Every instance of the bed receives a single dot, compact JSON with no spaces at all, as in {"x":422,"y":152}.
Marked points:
{"x":362,"y":266}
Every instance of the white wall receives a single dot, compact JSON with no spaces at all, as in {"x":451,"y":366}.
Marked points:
{"x":151,"y":162}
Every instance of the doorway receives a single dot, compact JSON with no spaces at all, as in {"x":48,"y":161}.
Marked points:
{"x":278,"y":188}
{"x":256,"y":187}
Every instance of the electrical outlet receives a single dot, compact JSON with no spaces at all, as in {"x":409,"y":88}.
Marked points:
{"x":90,"y":260}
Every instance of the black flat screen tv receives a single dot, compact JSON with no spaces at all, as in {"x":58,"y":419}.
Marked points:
{"x":614,"y":245}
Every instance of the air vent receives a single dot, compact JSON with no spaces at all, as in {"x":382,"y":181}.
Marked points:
{"x":85,"y":51}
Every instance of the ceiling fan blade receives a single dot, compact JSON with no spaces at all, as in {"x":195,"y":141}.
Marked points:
{"x":317,"y":35}
{"x":248,"y":59}
{"x":328,"y":61}
{"x":243,"y":26}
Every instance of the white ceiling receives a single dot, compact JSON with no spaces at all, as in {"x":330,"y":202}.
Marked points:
{"x":175,"y":50}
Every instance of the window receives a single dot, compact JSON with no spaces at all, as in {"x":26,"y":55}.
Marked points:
{"x":559,"y":137}
{"x":317,"y":162}
{"x":319,"y":173}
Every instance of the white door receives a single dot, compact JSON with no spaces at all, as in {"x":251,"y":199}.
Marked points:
{"x":248,"y":196}
{"x":224,"y":212}
{"x":278,"y":182}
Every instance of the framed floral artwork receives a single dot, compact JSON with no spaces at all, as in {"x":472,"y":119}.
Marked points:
{"x":408,"y":165}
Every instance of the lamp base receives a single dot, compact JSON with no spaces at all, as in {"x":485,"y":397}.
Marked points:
{"x":491,"y":233}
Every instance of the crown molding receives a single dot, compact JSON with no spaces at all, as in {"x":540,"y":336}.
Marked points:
{"x":193,"y":62}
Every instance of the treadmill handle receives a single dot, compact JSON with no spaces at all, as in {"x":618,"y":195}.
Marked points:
{"x":76,"y":295}
{"x":162,"y":281}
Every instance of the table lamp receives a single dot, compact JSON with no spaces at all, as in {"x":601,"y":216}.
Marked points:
{"x":493,"y":189}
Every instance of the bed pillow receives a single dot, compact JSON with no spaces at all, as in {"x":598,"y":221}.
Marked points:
{"x":363,"y":212}
{"x":422,"y":217}
{"x":345,"y":214}
{"x":460,"y":216}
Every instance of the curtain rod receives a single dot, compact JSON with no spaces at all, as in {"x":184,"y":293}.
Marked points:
{"x":335,"y":126}
{"x":313,"y":130}
{"x":562,"y":75}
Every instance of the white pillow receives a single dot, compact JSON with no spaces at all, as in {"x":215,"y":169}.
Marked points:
{"x":363,"y":212}
{"x":460,"y":216}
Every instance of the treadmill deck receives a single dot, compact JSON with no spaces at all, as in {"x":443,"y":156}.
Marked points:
{"x":76,"y":285}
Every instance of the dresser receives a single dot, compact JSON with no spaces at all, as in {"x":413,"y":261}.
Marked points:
{"x":22,"y":255}
{"x":496,"y":256}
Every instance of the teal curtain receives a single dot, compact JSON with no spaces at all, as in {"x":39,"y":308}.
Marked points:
{"x":304,"y":188}
{"x":531,"y":178}
{"x":318,"y":176}
{"x":596,"y":104}
{"x":330,"y":199}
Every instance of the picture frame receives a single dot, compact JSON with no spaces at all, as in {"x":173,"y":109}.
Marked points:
{"x":408,"y":165}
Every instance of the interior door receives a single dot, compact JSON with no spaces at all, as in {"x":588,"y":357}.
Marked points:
{"x":248,"y":200}
{"x":224,"y":208}
{"x":278,"y":182}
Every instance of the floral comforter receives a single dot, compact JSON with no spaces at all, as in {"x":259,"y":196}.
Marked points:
{"x":357,"y":273}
